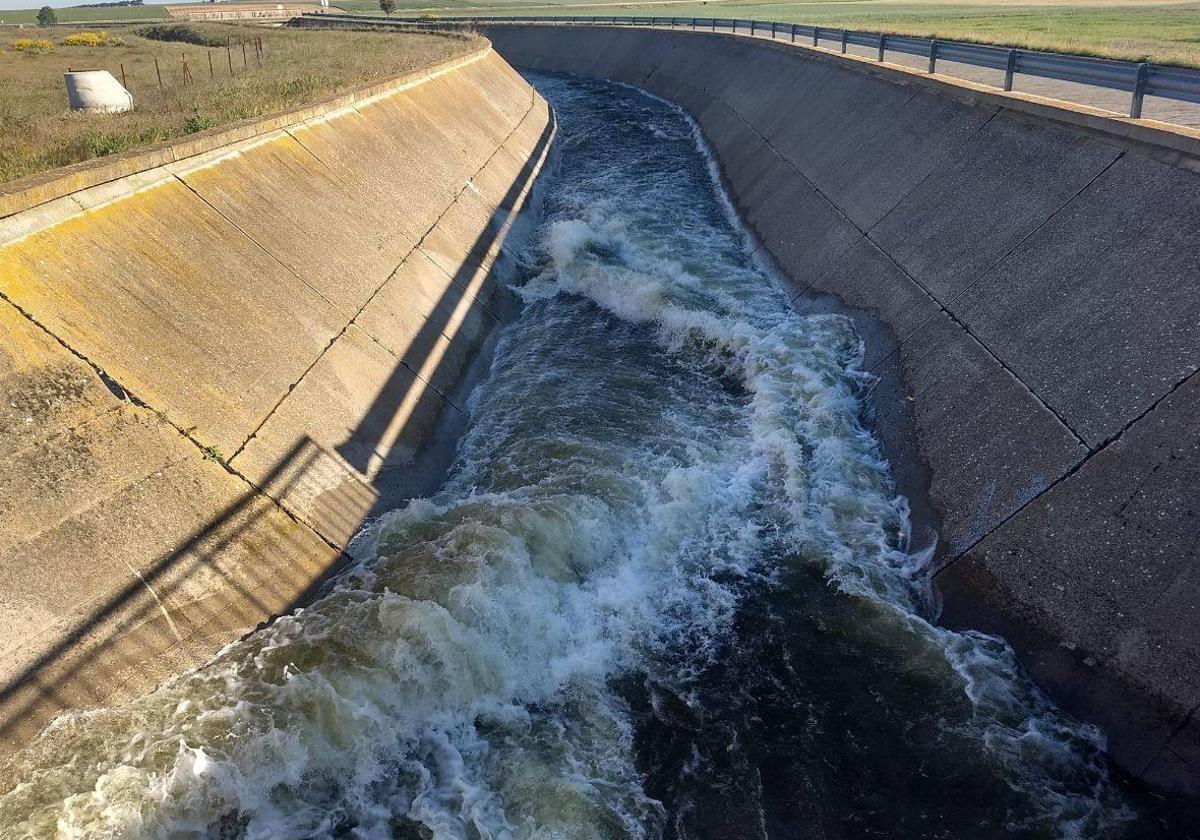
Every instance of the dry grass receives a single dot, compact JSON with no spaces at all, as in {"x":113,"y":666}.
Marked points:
{"x":38,"y":132}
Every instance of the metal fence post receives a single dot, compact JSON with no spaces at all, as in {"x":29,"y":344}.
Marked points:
{"x":882,"y":45}
{"x":933,"y":45}
{"x":1139,"y":91}
{"x":1010,"y":69}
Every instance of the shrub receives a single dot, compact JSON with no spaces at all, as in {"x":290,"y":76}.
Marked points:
{"x":196,"y":123}
{"x":91,"y":39}
{"x":180,"y":33}
{"x":33,"y":45}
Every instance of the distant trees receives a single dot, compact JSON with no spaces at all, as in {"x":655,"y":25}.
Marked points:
{"x":388,"y":6}
{"x":46,"y":16}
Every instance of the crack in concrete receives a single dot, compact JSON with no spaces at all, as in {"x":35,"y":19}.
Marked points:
{"x":161,"y":606}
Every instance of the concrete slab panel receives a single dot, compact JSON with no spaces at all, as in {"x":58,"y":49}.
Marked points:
{"x":1106,"y":565}
{"x":360,"y":403}
{"x":277,"y":196}
{"x":1105,"y":295}
{"x":987,"y":443}
{"x":212,"y":345}
{"x":159,"y":596}
{"x":883,"y":302}
{"x":1007,"y":180}
{"x":805,"y":234}
{"x":894,"y":150}
{"x":428,"y":321}
{"x":44,"y":388}
{"x":833,"y":118}
{"x":385,"y":167}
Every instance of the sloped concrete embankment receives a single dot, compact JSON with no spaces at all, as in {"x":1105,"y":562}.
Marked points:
{"x":219,"y":356}
{"x":1025,"y":280}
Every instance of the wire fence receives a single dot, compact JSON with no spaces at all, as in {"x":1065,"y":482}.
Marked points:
{"x":163,"y":72}
{"x":1139,"y":80}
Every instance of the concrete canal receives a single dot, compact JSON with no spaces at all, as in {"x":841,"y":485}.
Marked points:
{"x":668,"y":589}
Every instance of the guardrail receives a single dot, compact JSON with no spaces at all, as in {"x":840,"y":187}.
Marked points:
{"x":1139,"y":80}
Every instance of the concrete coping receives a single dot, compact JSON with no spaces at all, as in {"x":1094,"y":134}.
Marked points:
{"x":45,"y":187}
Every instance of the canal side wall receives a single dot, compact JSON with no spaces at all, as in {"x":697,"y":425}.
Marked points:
{"x":218,"y":356}
{"x":1025,"y":279}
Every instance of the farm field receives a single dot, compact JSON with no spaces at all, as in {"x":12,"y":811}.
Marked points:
{"x":28,"y":17}
{"x":1163,"y":32}
{"x":224,"y":82}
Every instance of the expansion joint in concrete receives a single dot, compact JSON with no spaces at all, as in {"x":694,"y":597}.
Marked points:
{"x":1075,"y":468}
{"x":965,"y":327}
{"x":125,"y":394}
{"x":305,"y":147}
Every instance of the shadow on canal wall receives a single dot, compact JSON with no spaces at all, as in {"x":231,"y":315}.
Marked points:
{"x":1023,"y":275}
{"x":219,"y":357}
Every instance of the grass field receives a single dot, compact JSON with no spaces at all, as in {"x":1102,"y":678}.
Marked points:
{"x":28,"y":17}
{"x":1163,"y":32}
{"x":38,"y":132}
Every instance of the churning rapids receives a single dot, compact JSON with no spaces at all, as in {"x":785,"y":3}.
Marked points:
{"x":666,"y":591}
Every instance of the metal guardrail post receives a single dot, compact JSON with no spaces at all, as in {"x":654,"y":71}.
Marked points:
{"x":882,"y":45}
{"x":772,"y":30}
{"x":751,"y":27}
{"x":693,"y":24}
{"x":843,"y":41}
{"x":1139,"y":90}
{"x":933,"y":45}
{"x":1010,"y":69}
{"x":816,"y":30}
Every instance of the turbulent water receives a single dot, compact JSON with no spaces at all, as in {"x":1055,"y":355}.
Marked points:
{"x":666,"y":591}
